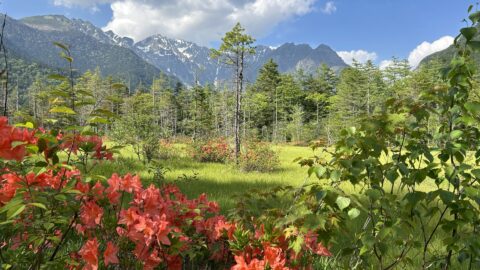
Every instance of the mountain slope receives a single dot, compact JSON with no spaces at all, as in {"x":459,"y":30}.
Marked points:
{"x":188,"y":61}
{"x":31,"y":38}
{"x":115,"y":55}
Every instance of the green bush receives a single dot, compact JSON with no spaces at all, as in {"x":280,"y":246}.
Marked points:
{"x":214,"y":150}
{"x":259,"y":157}
{"x":166,"y":149}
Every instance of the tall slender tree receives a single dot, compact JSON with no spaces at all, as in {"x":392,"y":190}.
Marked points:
{"x":236,"y":46}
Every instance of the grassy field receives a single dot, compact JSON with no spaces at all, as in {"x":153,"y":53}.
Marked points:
{"x":219,"y":181}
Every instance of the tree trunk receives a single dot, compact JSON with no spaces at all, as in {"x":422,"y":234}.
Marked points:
{"x":239,"y":86}
{"x":5,"y":98}
{"x":245,"y":120}
{"x":276,"y":117}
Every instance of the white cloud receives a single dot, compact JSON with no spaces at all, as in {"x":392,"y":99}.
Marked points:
{"x":426,"y":48}
{"x":360,"y":56}
{"x":385,"y":63}
{"x":329,"y":8}
{"x":201,"y":21}
{"x":80,"y":3}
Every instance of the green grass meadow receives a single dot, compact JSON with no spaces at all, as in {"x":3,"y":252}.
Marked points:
{"x":221,"y":182}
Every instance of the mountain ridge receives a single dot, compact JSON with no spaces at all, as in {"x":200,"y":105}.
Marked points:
{"x":188,"y":61}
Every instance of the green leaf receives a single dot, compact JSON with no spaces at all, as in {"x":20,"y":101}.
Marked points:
{"x":62,"y":109}
{"x":468,"y":32}
{"x":392,"y":175}
{"x":60,"y":45}
{"x":476,"y":173}
{"x":15,"y":211}
{"x":474,"y":17}
{"x":7,"y":222}
{"x":17,"y":143}
{"x":57,"y":77}
{"x":26,"y":125}
{"x":446,"y":196}
{"x":320,"y":171}
{"x":353,"y":213}
{"x":472,"y":192}
{"x":60,"y":197}
{"x":118,"y":86}
{"x":11,"y":204}
{"x":66,"y":57}
{"x":473,"y":107}
{"x":335,"y":175}
{"x":98,"y":120}
{"x":455,"y":134}
{"x":342,"y":202}
{"x":414,"y":197}
{"x":39,"y":205}
{"x":475,"y":45}
{"x":297,"y":244}
{"x":373,"y":194}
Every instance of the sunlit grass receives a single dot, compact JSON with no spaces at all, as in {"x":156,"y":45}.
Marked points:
{"x":222,"y":182}
{"x":219,"y":181}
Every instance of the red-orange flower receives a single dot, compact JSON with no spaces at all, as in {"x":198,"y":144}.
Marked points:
{"x":113,"y":187}
{"x":9,"y":135}
{"x":89,"y":253}
{"x":110,"y":254}
{"x":131,"y":183}
{"x":241,"y":264}
{"x":91,"y":214}
{"x":273,"y":255}
{"x":163,"y":231}
{"x":322,"y":250}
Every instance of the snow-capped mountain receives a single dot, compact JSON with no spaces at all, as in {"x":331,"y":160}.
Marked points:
{"x":188,"y":61}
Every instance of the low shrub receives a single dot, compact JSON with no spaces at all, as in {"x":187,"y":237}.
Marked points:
{"x":166,"y":149}
{"x":259,"y":157}
{"x":287,"y":227}
{"x":214,"y":150}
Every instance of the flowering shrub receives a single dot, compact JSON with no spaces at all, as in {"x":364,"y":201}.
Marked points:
{"x":53,"y":215}
{"x":259,"y":157}
{"x":9,"y":139}
{"x":166,"y":149}
{"x":276,"y":249}
{"x":215,"y":150}
{"x":286,"y":227}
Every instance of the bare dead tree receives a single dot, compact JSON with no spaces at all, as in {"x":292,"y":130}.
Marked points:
{"x":4,"y":71}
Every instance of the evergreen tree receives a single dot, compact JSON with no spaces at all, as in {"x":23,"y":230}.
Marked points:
{"x":235,"y":47}
{"x":263,"y":98}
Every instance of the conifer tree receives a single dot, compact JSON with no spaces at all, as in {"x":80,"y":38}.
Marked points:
{"x":235,"y":47}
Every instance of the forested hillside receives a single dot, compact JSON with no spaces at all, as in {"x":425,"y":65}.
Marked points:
{"x":139,"y":62}
{"x":277,"y":107}
{"x":35,"y":45}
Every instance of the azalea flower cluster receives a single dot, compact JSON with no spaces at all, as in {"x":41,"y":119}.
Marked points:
{"x":92,"y":143}
{"x":214,"y":150}
{"x":10,"y":182}
{"x":278,"y":249}
{"x":49,"y":203}
{"x":259,"y":157}
{"x":9,"y":136}
{"x":162,"y":223}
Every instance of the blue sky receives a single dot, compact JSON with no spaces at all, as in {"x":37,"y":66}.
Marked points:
{"x":378,"y":28}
